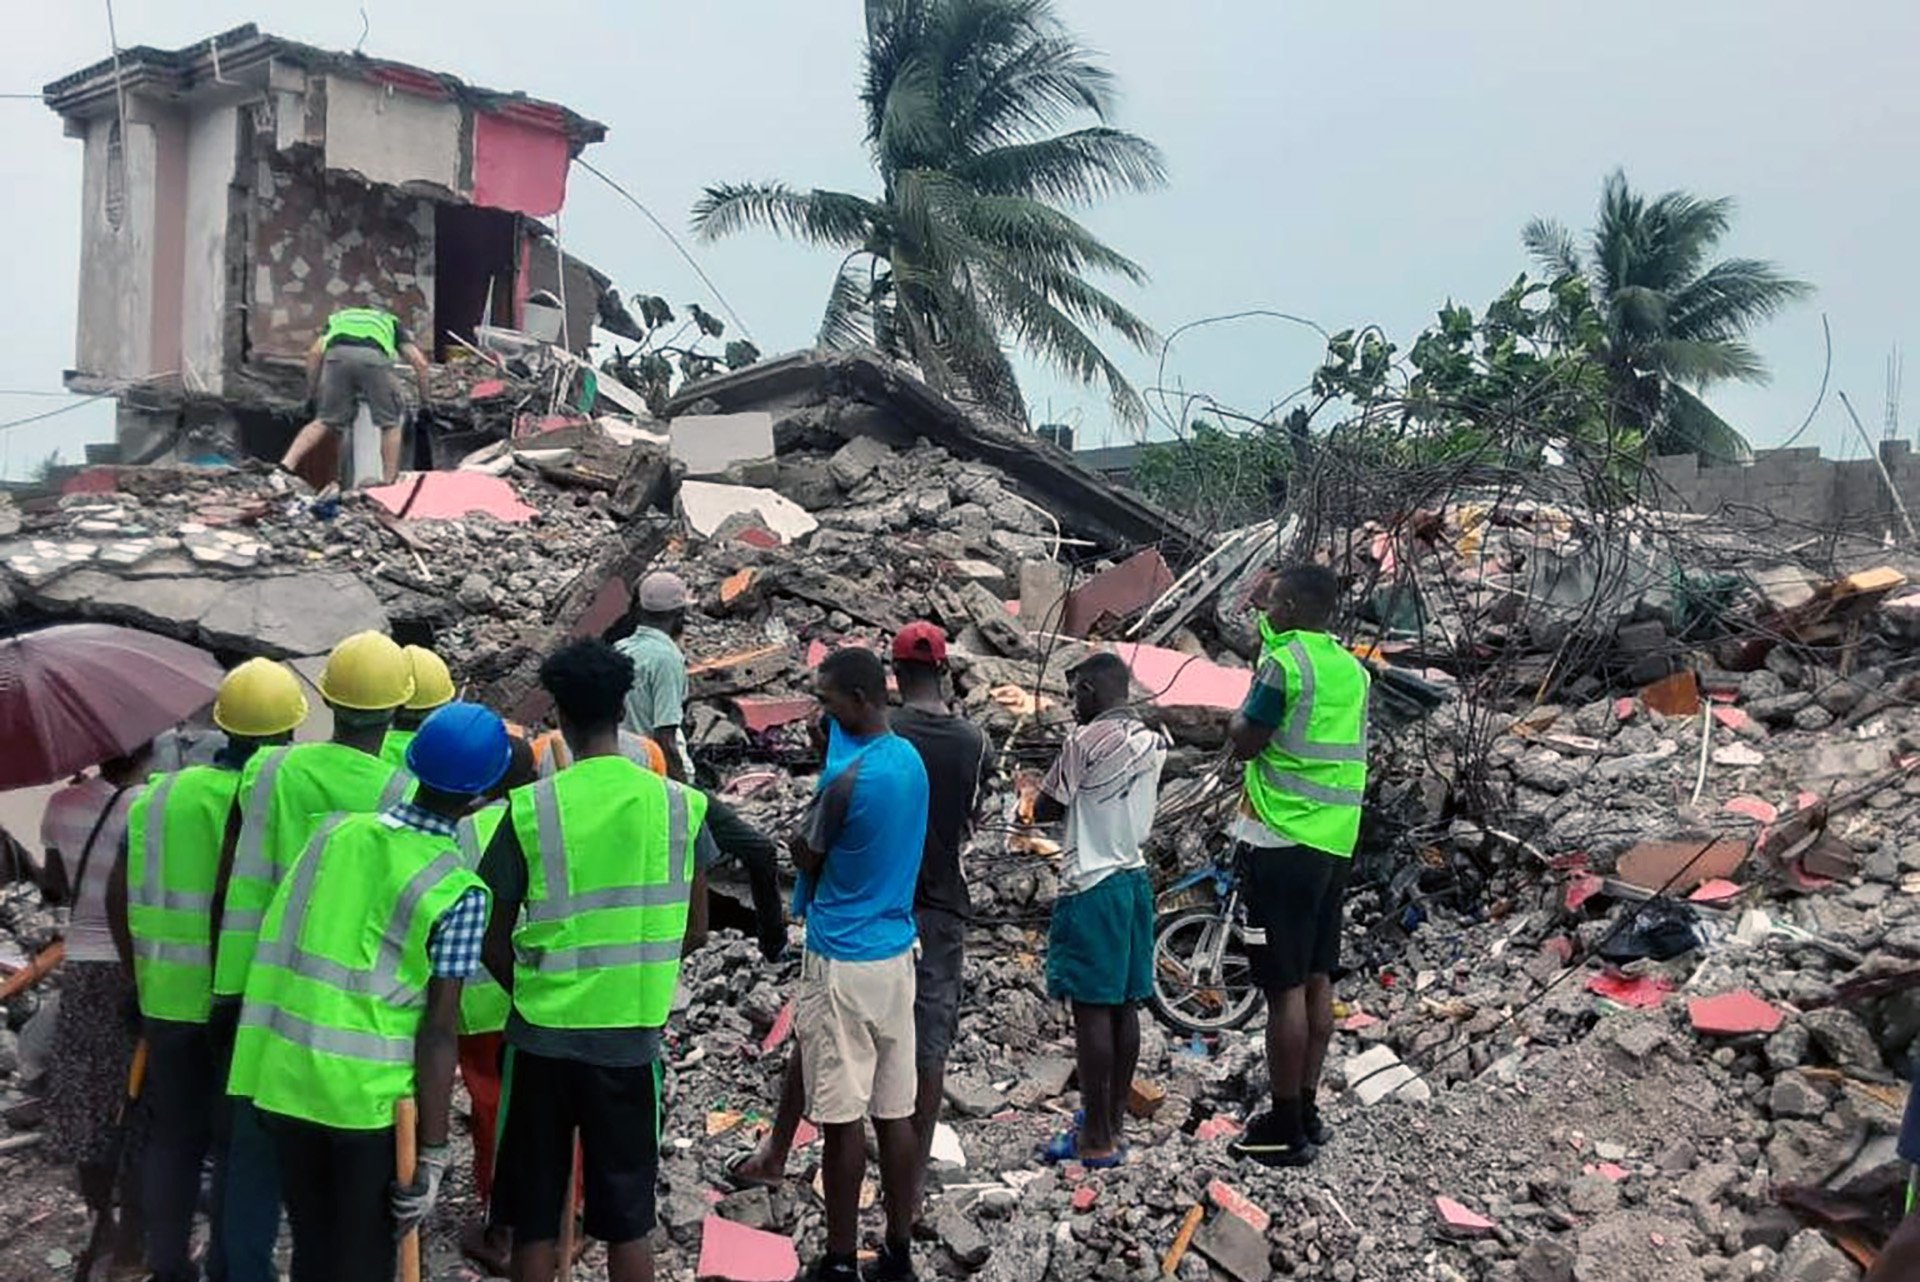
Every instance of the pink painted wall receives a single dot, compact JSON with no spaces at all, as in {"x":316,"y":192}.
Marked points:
{"x":518,"y":164}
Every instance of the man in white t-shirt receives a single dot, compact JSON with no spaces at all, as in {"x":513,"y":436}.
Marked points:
{"x":1106,"y":785}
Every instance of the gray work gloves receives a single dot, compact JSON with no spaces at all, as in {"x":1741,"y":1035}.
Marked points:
{"x":413,"y":1203}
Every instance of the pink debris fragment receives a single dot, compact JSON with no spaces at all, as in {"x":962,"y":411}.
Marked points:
{"x":1643,"y":992}
{"x":1357,"y":1021}
{"x":806,"y":1134}
{"x":1179,"y":680}
{"x":759,"y":536}
{"x":762,"y":715}
{"x":486,"y":389}
{"x":1732,"y":718}
{"x":1803,"y":881}
{"x":1216,"y":1128}
{"x":1807,"y":799}
{"x":1234,"y":1202}
{"x":1717,"y":891}
{"x":449,"y":496}
{"x":1581,"y":887}
{"x":1733,"y":1014}
{"x":1084,"y":1197}
{"x":1624,"y":708}
{"x":781,"y":1030}
{"x":1753,"y":808}
{"x":1558,"y":946}
{"x":1460,"y":1220}
{"x":732,"y":1252}
{"x":1612,"y":1171}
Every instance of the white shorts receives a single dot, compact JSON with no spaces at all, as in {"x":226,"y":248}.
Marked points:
{"x":855,"y":1024}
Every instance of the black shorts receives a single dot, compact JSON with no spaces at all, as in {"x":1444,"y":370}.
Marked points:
{"x":1294,"y":896}
{"x":936,"y":985}
{"x":617,"y":1114}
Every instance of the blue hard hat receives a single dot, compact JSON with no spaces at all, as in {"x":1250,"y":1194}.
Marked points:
{"x":462,"y":748}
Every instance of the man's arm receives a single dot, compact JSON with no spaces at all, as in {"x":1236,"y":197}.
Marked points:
{"x":504,"y":869}
{"x":316,"y":354}
{"x":1063,"y":780}
{"x":436,"y":1053}
{"x":117,"y":923}
{"x":1900,"y":1258}
{"x":735,"y":838}
{"x":820,"y":827}
{"x":418,"y":359}
{"x":668,"y":737}
{"x":1253,"y":726}
{"x":224,"y":874}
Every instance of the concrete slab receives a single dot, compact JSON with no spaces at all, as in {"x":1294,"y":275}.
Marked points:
{"x":449,"y":496}
{"x":732,"y":1252}
{"x":1235,"y":1247}
{"x":709,"y":443}
{"x":279,"y":615}
{"x":707,"y":506}
{"x":1118,"y":593}
{"x":1378,"y":1073}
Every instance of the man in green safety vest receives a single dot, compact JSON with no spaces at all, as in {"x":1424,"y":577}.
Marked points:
{"x":160,"y":905}
{"x":1303,"y":736}
{"x":284,"y":794}
{"x":592,"y":876}
{"x":351,"y":362}
{"x":353,"y":1002}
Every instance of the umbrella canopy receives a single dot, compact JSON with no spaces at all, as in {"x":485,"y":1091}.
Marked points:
{"x":75,"y":695}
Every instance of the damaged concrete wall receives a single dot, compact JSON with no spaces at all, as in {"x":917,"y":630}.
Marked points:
{"x":212,"y":148}
{"x":322,"y":241}
{"x":115,"y":333}
{"x":1795,"y":485}
{"x":389,"y":136}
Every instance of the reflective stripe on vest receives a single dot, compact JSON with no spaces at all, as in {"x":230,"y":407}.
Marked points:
{"x":337,"y":991}
{"x":484,"y":1004}
{"x":1309,"y":783}
{"x":607,"y":956}
{"x":366,"y":323}
{"x":175,"y":829}
{"x":263,"y":852}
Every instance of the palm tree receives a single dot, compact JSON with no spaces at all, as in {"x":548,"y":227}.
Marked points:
{"x":1674,"y":325}
{"x":967,"y":245}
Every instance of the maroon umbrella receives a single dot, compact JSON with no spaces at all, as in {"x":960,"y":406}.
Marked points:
{"x":75,"y":695}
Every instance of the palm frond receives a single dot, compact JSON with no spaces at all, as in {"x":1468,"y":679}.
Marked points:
{"x":817,"y":217}
{"x":1041,"y":87}
{"x":1551,"y":245}
{"x":1702,"y":363}
{"x":1052,"y":335}
{"x":1688,"y":426}
{"x":1041,"y":235}
{"x":848,"y":320}
{"x":1075,"y":168}
{"x":1731,"y":297}
{"x":912,"y":131}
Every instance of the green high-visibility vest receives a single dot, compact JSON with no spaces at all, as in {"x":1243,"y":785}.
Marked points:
{"x":175,"y":829}
{"x":338,"y":987}
{"x":284,"y":794}
{"x":483,"y":1003}
{"x":610,"y":861}
{"x":366,"y":323}
{"x":1310,"y":781}
{"x":393,"y":748}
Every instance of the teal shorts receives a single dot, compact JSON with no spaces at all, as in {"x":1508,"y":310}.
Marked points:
{"x":1100,"y":945}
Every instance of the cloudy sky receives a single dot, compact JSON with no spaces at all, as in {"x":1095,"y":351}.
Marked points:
{"x":1350,"y":163}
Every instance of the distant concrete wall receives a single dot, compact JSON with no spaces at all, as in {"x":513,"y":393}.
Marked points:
{"x":115,"y":333}
{"x":1795,"y":485}
{"x":387,"y":135}
{"x":323,"y":241}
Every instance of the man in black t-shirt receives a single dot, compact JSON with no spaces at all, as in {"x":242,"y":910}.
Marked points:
{"x":959,"y":762}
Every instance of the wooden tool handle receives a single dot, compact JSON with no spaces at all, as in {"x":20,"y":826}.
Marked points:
{"x":406,"y":1161}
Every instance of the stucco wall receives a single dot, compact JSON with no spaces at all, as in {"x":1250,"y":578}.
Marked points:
{"x":391,"y":136}
{"x":323,"y":241}
{"x":114,"y":338}
{"x":1796,"y":485}
{"x":212,"y":147}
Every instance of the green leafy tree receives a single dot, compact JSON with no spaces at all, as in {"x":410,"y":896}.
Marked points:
{"x":968,"y":246}
{"x":671,"y":351}
{"x":1675,"y":323}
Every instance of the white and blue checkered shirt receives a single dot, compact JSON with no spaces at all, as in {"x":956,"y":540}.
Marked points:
{"x":453,"y":945}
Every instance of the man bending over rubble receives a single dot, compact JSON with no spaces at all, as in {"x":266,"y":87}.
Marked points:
{"x":1106,"y":785}
{"x":1303,"y":736}
{"x":351,"y":362}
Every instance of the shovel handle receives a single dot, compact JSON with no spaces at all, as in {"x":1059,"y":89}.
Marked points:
{"x":406,"y":1161}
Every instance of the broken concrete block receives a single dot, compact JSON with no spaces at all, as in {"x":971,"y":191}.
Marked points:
{"x":1231,"y":1200}
{"x":808,"y":482}
{"x":1144,"y":1098}
{"x":962,"y":1238}
{"x":732,"y":1252}
{"x":1784,"y":587}
{"x":1119,"y":593}
{"x":946,"y":1148}
{"x":1846,"y":1040}
{"x":1043,"y":591}
{"x":707,"y":506}
{"x":1235,"y":1247}
{"x":1809,"y":1257}
{"x":711,"y":443}
{"x":985,"y":573}
{"x":855,"y":461}
{"x":1378,"y":1073}
{"x":1545,"y":1260}
{"x":1045,"y":1078}
{"x":973,"y":1098}
{"x":1459,"y":1221}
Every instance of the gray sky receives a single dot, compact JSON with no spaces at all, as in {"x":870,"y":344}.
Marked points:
{"x":1350,"y":163}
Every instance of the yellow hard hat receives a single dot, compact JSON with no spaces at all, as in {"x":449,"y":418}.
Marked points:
{"x":259,"y":699}
{"x":432,"y":683}
{"x":368,"y":673}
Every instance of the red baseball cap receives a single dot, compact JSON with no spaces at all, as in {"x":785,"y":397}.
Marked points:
{"x":920,"y":642}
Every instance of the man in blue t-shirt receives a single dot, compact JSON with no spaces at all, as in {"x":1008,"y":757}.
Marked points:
{"x":858,"y":853}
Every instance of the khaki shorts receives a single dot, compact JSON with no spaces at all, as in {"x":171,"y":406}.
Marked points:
{"x":855,"y":1022}
{"x":351,"y":374}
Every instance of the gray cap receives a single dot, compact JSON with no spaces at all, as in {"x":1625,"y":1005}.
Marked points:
{"x":663,"y":592}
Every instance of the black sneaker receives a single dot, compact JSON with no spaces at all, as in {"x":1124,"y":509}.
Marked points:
{"x":826,"y":1270}
{"x":891,"y":1266}
{"x":1319,"y":1134}
{"x":1262,"y":1143}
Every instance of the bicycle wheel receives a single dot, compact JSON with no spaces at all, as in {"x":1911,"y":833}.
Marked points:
{"x":1202,"y":982}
